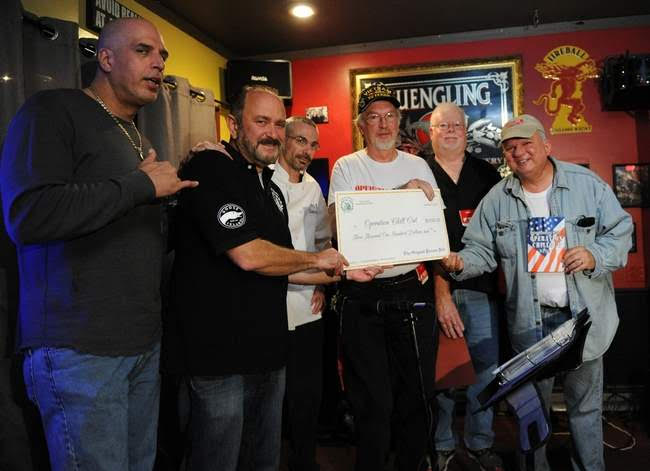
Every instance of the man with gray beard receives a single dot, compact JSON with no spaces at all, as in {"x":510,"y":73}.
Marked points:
{"x":380,"y":371}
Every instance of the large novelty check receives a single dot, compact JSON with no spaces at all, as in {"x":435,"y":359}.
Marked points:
{"x":390,"y":227}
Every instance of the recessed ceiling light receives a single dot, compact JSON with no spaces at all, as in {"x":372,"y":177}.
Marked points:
{"x":302,"y":10}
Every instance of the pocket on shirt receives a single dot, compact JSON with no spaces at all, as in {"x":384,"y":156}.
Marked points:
{"x":584,"y":235}
{"x":506,"y":239}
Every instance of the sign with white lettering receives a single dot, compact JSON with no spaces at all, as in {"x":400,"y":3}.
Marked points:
{"x":489,"y":91}
{"x":390,"y":227}
{"x":99,"y":12}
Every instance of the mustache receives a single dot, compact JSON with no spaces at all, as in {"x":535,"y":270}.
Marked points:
{"x":269,"y":141}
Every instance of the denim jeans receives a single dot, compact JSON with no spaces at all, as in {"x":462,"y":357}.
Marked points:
{"x":479,"y":314}
{"x":99,"y":412}
{"x":235,"y":422}
{"x":583,"y":394}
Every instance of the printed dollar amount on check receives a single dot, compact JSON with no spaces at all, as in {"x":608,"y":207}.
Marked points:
{"x":390,"y":227}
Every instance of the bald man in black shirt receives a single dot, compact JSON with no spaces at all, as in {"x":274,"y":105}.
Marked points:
{"x":80,"y":191}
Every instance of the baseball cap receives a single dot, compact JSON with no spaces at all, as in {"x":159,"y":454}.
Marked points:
{"x":523,"y":125}
{"x":376,"y":91}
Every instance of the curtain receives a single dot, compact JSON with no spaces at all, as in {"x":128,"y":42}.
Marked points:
{"x":87,"y":60}
{"x":50,"y":60}
{"x":12,"y":92}
{"x":36,"y":54}
{"x":202,"y":118}
{"x":181,"y":116}
{"x":156,"y":122}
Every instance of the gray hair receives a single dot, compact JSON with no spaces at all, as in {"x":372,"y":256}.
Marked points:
{"x":293,"y":120}
{"x":449,"y":105}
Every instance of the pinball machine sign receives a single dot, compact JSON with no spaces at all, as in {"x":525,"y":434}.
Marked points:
{"x":490,"y":92}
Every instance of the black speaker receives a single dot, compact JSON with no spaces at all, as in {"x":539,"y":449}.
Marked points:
{"x":625,"y":83}
{"x":272,"y":73}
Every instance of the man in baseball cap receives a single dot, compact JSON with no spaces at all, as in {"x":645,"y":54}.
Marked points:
{"x":380,"y":372}
{"x":546,"y":199}
{"x":524,"y":125}
{"x":376,"y":91}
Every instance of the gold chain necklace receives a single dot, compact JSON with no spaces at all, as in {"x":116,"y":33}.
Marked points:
{"x":137,"y":148}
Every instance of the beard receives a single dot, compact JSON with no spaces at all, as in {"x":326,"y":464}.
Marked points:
{"x":255,"y":154}
{"x":297,"y":162}
{"x":385,"y":144}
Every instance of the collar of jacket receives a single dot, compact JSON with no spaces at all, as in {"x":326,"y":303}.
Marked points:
{"x":513,"y":184}
{"x":267,"y":173}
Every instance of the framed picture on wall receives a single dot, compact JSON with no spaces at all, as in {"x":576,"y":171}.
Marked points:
{"x":490,"y":91}
{"x":633,"y":247}
{"x":632,"y":184}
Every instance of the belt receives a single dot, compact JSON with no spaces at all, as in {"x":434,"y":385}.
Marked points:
{"x":396,"y":280}
{"x":555,"y":308}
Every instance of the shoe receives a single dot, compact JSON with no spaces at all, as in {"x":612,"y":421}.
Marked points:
{"x":444,"y":457}
{"x":487,"y":459}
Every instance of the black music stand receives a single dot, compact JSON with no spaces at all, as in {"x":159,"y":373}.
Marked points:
{"x":515,"y":380}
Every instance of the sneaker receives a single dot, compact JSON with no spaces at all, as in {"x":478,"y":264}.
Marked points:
{"x":487,"y":459}
{"x":444,"y":457}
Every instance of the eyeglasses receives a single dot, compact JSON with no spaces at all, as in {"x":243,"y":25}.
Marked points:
{"x":444,"y":127}
{"x":303,"y":142}
{"x":374,"y":118}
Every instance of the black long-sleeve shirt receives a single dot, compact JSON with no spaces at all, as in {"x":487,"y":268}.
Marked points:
{"x":86,"y":227}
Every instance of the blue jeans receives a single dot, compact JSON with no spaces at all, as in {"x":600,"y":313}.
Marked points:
{"x":583,"y":394}
{"x":236,"y":422}
{"x":99,"y":412}
{"x":479,"y":314}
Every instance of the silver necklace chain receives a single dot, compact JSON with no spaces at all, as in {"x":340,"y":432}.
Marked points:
{"x":137,"y":148}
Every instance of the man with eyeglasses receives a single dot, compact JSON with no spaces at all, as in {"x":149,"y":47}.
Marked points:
{"x":380,"y":372}
{"x":310,"y":231}
{"x":467,"y":308}
{"x":544,"y":201}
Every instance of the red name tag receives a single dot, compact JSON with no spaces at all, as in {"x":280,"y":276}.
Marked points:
{"x":465,"y":216}
{"x":423,"y":275}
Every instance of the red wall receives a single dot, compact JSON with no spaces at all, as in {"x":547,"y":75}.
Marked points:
{"x":326,"y":81}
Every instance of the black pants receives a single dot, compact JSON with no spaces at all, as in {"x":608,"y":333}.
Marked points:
{"x":380,"y":371}
{"x":303,"y":394}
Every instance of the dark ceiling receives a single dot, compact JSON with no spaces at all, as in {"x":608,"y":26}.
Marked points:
{"x":241,"y":28}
